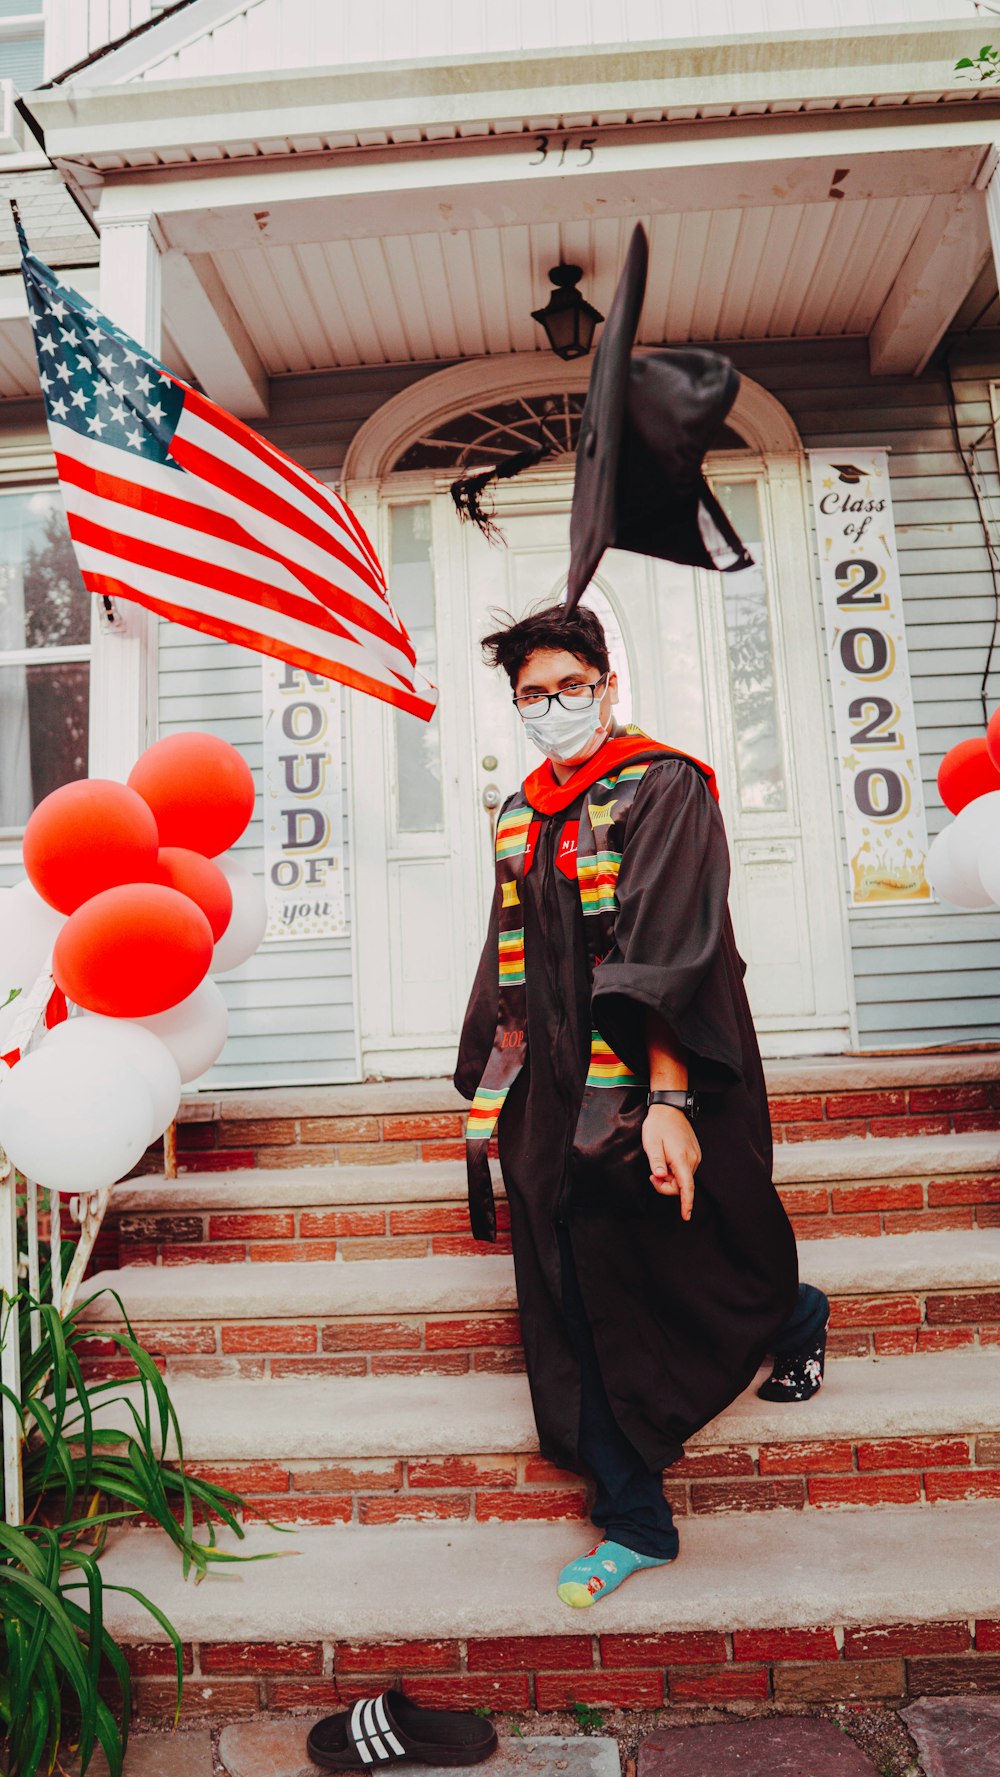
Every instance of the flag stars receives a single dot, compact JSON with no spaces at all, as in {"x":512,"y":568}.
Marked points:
{"x":100,"y":383}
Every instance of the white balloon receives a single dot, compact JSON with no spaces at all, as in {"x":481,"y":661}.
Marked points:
{"x":8,"y":1018}
{"x":989,"y":865}
{"x":952,"y":867}
{"x":28,"y":929}
{"x":194,"y":1031}
{"x":71,"y":1122}
{"x":979,"y":817}
{"x":121,"y":1043}
{"x":248,"y":924}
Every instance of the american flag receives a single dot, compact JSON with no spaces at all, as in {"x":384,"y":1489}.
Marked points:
{"x":174,"y":504}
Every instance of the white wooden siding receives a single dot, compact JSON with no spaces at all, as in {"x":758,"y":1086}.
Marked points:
{"x":75,"y":28}
{"x":313,"y":33}
{"x":221,"y":37}
{"x":291,"y":1007}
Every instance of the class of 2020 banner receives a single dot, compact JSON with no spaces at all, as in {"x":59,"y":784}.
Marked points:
{"x":876,"y":729}
{"x":303,"y":805}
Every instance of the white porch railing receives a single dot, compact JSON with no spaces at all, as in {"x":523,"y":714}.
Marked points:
{"x":20,"y":1267}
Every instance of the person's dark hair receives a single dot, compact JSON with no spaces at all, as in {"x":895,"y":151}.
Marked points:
{"x":579,"y":632}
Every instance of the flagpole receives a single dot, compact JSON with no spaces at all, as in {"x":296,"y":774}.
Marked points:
{"x":22,"y":239}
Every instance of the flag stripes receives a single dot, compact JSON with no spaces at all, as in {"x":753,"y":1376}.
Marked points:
{"x":177,"y":506}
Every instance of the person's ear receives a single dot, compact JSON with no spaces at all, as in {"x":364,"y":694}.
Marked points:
{"x":613,"y":687}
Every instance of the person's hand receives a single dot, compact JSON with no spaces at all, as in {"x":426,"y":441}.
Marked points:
{"x":674,"y":1154}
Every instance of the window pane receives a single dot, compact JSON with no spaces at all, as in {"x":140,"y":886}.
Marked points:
{"x":43,"y":601}
{"x":44,"y":725}
{"x":419,"y":800}
{"x":760,"y":763}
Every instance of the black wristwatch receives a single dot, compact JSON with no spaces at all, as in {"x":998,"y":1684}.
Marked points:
{"x":681,"y":1101}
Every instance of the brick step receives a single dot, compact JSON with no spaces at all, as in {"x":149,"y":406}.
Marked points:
{"x":817,"y":1608}
{"x":819,"y":1097}
{"x":449,"y":1315}
{"x":379,"y":1450}
{"x":830,"y":1188}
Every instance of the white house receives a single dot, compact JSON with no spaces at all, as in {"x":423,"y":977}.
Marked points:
{"x":338,"y":221}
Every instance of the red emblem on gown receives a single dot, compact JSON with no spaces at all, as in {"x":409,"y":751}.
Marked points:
{"x":566,"y":855}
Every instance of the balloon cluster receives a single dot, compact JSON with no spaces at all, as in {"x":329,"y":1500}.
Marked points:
{"x":128,"y":891}
{"x":963,"y":863}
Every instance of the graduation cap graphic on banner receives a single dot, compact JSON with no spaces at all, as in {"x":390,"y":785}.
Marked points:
{"x":648,"y":421}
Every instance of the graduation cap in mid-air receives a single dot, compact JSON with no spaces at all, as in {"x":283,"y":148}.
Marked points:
{"x":648,"y":421}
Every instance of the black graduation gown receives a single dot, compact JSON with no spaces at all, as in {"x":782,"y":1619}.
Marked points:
{"x":682,"y":1313}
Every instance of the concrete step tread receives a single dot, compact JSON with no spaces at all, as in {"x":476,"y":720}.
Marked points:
{"x":807,"y":1162}
{"x":928,"y":1395}
{"x":845,"y":1266}
{"x":403,"y":1583}
{"x":809,"y":1073}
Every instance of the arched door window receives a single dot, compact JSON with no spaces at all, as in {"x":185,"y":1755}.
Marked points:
{"x":485,"y":437}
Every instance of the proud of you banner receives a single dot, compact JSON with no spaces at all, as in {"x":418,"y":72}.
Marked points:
{"x":303,"y":805}
{"x":870,"y":675}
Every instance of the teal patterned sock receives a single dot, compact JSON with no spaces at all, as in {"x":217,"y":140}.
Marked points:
{"x":594,"y":1575}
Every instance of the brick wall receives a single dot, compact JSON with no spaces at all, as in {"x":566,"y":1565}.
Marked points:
{"x":749,"y":1668}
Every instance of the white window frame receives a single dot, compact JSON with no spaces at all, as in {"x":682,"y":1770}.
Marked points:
{"x":77,"y":653}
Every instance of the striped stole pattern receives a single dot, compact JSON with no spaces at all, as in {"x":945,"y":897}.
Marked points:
{"x":510,"y":1045}
{"x":598,"y":861}
{"x":599,"y":855}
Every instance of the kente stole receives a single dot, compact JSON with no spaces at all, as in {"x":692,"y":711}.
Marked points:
{"x":603,"y":819}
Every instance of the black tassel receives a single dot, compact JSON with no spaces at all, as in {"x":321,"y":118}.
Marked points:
{"x":468,"y":492}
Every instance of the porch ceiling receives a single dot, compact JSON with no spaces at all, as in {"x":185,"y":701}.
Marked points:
{"x":791,"y":271}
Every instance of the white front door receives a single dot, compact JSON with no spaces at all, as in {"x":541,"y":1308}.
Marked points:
{"x":724,"y":666}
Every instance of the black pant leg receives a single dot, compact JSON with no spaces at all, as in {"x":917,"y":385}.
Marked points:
{"x":629,"y":1507}
{"x":804,"y":1325}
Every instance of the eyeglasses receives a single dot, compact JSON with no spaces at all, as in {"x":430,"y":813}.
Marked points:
{"x":575,"y":697}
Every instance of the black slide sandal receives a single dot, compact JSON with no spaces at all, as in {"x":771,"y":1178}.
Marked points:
{"x":389,"y":1729}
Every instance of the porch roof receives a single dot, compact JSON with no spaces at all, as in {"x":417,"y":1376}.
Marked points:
{"x":111,"y":116}
{"x":793,"y":188}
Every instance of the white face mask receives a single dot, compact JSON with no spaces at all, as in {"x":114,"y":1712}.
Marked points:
{"x":567,"y":735}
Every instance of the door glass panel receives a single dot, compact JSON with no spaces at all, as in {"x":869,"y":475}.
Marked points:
{"x":419,"y":799}
{"x":760,"y":760}
{"x":43,"y":601}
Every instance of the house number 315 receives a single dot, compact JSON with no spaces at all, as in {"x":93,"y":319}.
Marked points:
{"x":564,"y":146}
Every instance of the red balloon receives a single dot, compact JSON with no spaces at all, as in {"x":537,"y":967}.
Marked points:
{"x":133,"y":951}
{"x":191,"y":874}
{"x":199,"y":788}
{"x":965,"y":772}
{"x":993,"y":738}
{"x":87,"y":837}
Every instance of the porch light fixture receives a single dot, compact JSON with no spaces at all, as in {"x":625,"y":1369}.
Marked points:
{"x":568,"y":318}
